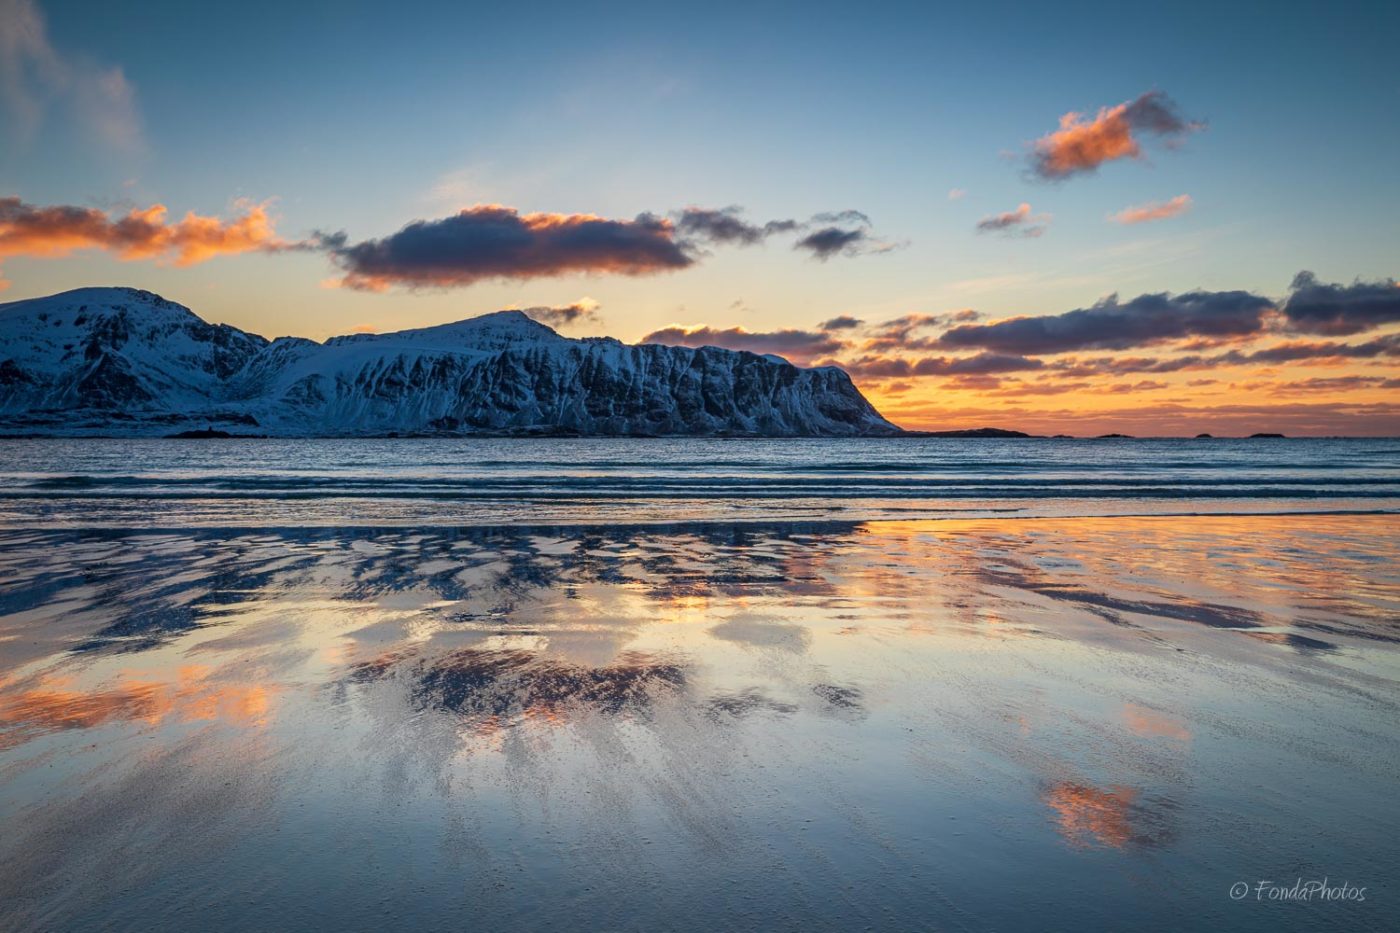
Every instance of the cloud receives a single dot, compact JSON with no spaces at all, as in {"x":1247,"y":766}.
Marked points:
{"x":489,"y":241}
{"x":835,"y":236}
{"x":841,"y":217}
{"x":1111,"y":325}
{"x":724,"y":226}
{"x":1019,"y":222}
{"x":792,"y":344}
{"x":1081,"y":145}
{"x":842,"y":322}
{"x":55,"y":231}
{"x":1304,"y":352}
{"x":956,"y":194}
{"x":1386,"y":346}
{"x":981,"y":364}
{"x":832,"y":241}
{"x":1332,"y":384}
{"x":583,"y":310}
{"x":1153,"y":210}
{"x":34,"y":75}
{"x":899,"y":333}
{"x":1315,"y":307}
{"x":836,"y":232}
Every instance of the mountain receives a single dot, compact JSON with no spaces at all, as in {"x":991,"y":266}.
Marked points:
{"x":120,"y":361}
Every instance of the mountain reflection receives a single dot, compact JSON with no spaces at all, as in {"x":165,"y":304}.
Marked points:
{"x":491,"y":686}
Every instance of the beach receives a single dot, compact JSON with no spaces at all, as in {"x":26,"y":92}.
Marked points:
{"x":953,"y":723}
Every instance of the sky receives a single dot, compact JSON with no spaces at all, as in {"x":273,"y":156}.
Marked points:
{"x":1077,"y":218}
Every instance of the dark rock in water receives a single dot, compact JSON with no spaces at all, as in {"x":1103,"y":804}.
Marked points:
{"x":1102,"y":436}
{"x":970,"y":432}
{"x":119,"y":361}
{"x":200,"y":434}
{"x":1063,"y":437}
{"x":1262,"y":434}
{"x":1199,"y":436}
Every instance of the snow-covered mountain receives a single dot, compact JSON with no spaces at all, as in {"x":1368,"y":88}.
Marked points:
{"x":119,"y":361}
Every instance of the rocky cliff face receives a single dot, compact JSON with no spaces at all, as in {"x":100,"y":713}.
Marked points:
{"x":127,"y":362}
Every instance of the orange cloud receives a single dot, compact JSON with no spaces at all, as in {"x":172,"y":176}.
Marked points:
{"x":1153,"y":210}
{"x":1082,"y":145}
{"x":59,"y":230}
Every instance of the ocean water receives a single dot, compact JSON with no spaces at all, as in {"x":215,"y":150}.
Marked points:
{"x":935,"y":684}
{"x":484,"y":481}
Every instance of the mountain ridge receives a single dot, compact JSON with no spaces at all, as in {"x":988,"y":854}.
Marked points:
{"x":123,"y":361}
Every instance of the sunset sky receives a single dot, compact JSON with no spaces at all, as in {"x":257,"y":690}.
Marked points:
{"x":1075,"y":218}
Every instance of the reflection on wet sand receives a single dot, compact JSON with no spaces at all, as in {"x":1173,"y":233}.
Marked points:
{"x":875,"y":713}
{"x":504,"y":685}
{"x":1114,"y":816}
{"x":183,"y":695}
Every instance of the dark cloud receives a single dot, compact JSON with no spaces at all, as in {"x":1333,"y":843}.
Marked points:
{"x":1332,"y":384}
{"x":725,"y":226}
{"x":1315,"y":307}
{"x":1019,"y":223}
{"x":841,"y":217}
{"x":828,"y":234}
{"x":833,"y":241}
{"x":563,"y":316}
{"x":1081,"y":145}
{"x":1110,"y":325}
{"x":840,"y":233}
{"x":494,"y":242}
{"x":899,"y":333}
{"x":842,"y":322}
{"x":795,"y":345}
{"x":1387,"y":346}
{"x":982,"y":364}
{"x":1292,"y":352}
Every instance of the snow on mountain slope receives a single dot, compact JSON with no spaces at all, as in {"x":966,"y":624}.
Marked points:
{"x":120,"y":361}
{"x":113,"y":350}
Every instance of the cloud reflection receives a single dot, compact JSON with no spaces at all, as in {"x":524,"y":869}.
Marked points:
{"x":1115,"y":817}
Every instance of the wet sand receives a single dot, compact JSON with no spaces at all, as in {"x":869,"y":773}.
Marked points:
{"x":947,"y":725}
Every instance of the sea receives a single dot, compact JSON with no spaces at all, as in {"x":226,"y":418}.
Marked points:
{"x":110,"y":482}
{"x":943,"y":684}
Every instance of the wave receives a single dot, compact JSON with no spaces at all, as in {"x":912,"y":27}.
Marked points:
{"x":517,"y":492}
{"x":477,"y":479}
